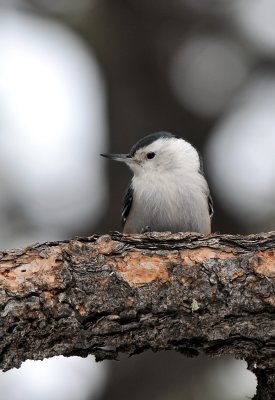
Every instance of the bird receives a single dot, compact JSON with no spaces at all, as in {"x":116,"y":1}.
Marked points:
{"x":168,"y":190}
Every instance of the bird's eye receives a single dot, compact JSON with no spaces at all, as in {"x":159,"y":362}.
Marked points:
{"x":150,"y":155}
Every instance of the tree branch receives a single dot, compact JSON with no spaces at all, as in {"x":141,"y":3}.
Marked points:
{"x":117,"y":293}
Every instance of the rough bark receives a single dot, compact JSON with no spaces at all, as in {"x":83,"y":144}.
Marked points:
{"x":115,"y":293}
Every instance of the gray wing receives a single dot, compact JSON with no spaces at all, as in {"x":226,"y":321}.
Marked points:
{"x":209,"y":198}
{"x":210,"y":206}
{"x":127,"y":204}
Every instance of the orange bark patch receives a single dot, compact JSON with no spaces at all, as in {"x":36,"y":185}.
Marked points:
{"x":186,"y":281}
{"x":103,"y":281}
{"x":264,"y":263}
{"x":138,"y":269}
{"x":82,"y":310}
{"x":271,"y":300}
{"x":237,"y":274}
{"x":189,"y":257}
{"x":29,"y":273}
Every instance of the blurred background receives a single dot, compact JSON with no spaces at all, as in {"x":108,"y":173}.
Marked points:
{"x":82,"y":77}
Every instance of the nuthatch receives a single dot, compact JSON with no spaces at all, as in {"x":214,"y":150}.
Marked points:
{"x":168,"y":191}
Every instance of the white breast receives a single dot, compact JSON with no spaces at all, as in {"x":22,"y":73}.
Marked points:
{"x":170,"y":202}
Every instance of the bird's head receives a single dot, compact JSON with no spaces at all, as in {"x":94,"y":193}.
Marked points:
{"x":160,"y":153}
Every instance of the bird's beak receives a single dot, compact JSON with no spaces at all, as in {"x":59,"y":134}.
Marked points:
{"x":120,"y":157}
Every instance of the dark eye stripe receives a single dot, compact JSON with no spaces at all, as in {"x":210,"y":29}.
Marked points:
{"x":150,"y":155}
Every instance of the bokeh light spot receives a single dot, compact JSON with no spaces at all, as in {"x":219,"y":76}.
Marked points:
{"x":240,"y":154}
{"x":206,"y":72}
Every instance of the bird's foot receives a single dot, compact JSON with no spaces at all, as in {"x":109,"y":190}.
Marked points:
{"x":146,"y":229}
